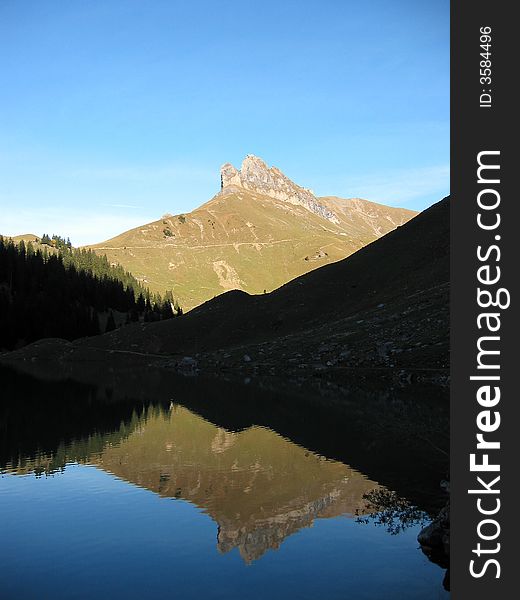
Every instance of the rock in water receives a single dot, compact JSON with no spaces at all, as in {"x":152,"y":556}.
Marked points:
{"x":435,"y":541}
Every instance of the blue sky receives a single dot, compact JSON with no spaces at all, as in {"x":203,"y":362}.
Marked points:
{"x":113,"y":112}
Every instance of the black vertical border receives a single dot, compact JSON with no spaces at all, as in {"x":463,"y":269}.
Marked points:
{"x":474,"y":129}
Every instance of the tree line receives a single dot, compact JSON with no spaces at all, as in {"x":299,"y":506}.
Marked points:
{"x":56,"y":241}
{"x":69,"y":293}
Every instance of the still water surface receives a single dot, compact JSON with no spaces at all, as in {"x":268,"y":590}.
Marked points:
{"x":171,"y":505}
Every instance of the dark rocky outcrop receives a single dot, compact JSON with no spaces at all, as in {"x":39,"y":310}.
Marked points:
{"x":435,"y":541}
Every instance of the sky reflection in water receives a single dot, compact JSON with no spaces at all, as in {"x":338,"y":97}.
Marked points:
{"x":178,"y":507}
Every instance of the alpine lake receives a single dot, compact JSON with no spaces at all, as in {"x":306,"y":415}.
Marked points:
{"x":130,"y":485}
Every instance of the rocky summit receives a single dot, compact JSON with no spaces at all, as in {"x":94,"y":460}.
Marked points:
{"x":256,"y":176}
{"x":257,"y":233}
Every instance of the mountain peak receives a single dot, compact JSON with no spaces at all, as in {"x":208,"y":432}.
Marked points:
{"x":255,"y":175}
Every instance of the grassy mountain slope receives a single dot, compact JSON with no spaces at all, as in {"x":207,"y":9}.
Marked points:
{"x":387,"y":305}
{"x":26,"y":237}
{"x":365,"y":219}
{"x":244,"y":240}
{"x":35,"y":241}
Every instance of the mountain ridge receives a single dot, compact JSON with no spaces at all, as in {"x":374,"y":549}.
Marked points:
{"x":385,"y":306}
{"x":244,"y":239}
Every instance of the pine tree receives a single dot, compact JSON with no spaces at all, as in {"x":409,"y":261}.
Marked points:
{"x":60,"y":294}
{"x":111,"y":324}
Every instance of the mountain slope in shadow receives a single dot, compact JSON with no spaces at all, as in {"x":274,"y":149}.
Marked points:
{"x":386,"y":306}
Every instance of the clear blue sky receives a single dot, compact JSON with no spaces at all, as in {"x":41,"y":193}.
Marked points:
{"x":113,"y":112}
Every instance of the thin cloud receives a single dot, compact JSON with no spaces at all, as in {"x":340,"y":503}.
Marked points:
{"x":143,"y":173}
{"x":122,"y":205}
{"x":82,"y":228}
{"x":398,"y":187}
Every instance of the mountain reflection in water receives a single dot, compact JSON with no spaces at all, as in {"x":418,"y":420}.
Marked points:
{"x":258,"y":487}
{"x":215,"y":451}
